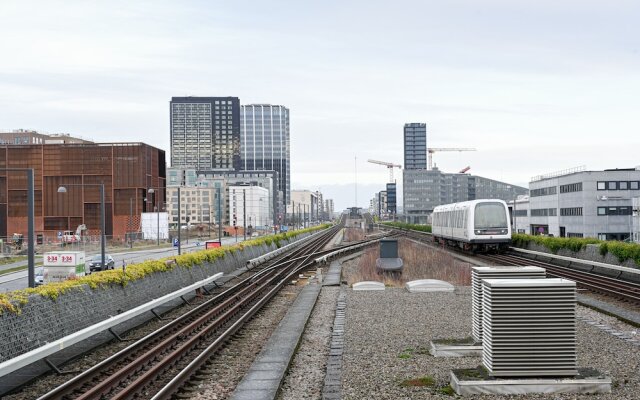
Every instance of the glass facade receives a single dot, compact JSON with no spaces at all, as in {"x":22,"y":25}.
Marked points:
{"x":205,"y":132}
{"x":265,"y":142}
{"x":415,"y":146}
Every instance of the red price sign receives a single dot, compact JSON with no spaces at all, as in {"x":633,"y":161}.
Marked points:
{"x":52,"y":259}
{"x":67,"y":259}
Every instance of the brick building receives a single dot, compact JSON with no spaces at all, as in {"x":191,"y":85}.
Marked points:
{"x":127,"y":170}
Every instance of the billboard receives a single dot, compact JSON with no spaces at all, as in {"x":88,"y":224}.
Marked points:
{"x":154,"y":224}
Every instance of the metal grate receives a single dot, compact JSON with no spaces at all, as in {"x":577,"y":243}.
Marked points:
{"x":529,"y":327}
{"x":479,"y":273}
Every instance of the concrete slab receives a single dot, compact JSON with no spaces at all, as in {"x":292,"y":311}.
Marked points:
{"x":428,"y":285}
{"x":333,"y":275}
{"x":268,"y":369}
{"x":368,"y":285}
{"x":476,"y":381}
{"x":466,"y":347}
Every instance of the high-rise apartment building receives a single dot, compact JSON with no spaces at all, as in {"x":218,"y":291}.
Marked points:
{"x":205,"y":132}
{"x":415,"y":146}
{"x":264,"y":132}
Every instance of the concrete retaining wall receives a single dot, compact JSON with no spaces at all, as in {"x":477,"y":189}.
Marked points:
{"x":43,"y":320}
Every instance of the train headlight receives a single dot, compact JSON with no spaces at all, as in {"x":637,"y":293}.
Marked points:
{"x":478,"y":231}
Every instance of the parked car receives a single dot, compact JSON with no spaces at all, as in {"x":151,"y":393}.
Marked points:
{"x":95,"y":264}
{"x":39,"y":276}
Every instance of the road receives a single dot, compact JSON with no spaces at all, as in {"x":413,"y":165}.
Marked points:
{"x":18,"y":280}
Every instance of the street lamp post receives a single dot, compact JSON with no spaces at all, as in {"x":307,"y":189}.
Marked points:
{"x":103,"y":240}
{"x":31,"y":215}
{"x":157,"y":208}
{"x":219,"y":217}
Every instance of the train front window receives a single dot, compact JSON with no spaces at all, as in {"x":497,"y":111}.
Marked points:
{"x":490,"y":216}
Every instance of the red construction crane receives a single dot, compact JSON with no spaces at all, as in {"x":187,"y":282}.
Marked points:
{"x":465,"y":169}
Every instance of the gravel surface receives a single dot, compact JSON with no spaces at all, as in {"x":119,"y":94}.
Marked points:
{"x":232,"y":363}
{"x":305,"y":377}
{"x":388,"y":334}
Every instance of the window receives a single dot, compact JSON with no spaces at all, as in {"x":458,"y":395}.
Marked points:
{"x":612,"y":185}
{"x":544,"y":212}
{"x":543,"y":191}
{"x":602,"y":185}
{"x":490,"y":215}
{"x":633,"y":185}
{"x":623,"y":185}
{"x":572,"y":187}
{"x":619,"y":210}
{"x":571,"y":212}
{"x":576,"y":235}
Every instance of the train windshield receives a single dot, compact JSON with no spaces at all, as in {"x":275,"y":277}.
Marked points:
{"x":490,"y":216}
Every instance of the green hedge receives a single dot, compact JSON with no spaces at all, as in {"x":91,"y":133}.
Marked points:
{"x":623,"y":251}
{"x":415,"y":227}
{"x":13,"y":301}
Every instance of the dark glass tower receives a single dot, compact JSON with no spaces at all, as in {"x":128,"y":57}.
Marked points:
{"x":264,"y":133}
{"x":415,"y":146}
{"x":205,"y":132}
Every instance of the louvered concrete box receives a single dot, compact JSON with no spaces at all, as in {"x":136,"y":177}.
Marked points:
{"x":529,"y":327}
{"x":529,"y":342}
{"x":473,"y":347}
{"x":480,"y":273}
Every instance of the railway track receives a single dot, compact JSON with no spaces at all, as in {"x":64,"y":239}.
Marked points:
{"x":609,"y":286}
{"x":160,"y":364}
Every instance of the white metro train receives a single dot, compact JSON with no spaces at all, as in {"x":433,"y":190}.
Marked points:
{"x":476,"y":225}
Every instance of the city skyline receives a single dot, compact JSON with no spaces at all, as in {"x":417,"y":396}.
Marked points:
{"x":535,"y":88}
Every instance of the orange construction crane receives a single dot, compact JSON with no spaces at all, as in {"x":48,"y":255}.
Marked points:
{"x":390,"y":166}
{"x":432,"y":150}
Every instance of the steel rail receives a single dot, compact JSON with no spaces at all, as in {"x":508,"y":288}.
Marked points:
{"x":158,"y":341}
{"x":174,"y":386}
{"x":97,"y":372}
{"x":610,"y":286}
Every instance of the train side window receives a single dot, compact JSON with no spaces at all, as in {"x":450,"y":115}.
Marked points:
{"x":602,"y":185}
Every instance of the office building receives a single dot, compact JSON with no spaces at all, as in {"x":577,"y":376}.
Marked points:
{"x":426,"y":189}
{"x":391,"y":199}
{"x":264,"y":141}
{"x":303,"y":208}
{"x":329,"y":209}
{"x":250,"y":202}
{"x":190,"y":178}
{"x":205,"y":132}
{"x":415,"y":146}
{"x":580,"y":203}
{"x":127,"y":170}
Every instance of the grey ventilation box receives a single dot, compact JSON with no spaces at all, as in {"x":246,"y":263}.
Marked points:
{"x":480,"y":273}
{"x":529,"y":327}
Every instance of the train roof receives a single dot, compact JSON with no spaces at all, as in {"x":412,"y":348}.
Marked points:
{"x":466,"y":204}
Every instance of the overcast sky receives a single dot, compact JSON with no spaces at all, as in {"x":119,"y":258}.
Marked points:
{"x":535,"y":86}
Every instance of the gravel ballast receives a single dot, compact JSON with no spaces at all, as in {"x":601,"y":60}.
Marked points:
{"x":306,"y":373}
{"x":388,"y":334}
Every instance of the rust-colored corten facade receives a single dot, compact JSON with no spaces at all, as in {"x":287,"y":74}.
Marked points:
{"x":127,"y":171}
